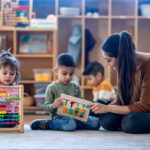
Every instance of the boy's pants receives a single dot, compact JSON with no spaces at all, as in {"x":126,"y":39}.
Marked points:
{"x":64,"y":123}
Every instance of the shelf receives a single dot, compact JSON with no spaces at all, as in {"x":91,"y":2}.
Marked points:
{"x":3,"y":28}
{"x":90,"y":17}
{"x":33,"y":108}
{"x":34,"y":55}
{"x":97,"y":17}
{"x":67,"y":17}
{"x":32,"y":81}
{"x":143,"y":17}
{"x":123,"y":17}
{"x":32,"y":29}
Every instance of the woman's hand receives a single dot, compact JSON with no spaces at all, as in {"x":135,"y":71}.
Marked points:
{"x":58,"y":102}
{"x":98,"y":108}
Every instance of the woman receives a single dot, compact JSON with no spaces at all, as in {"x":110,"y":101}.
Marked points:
{"x":131,"y":112}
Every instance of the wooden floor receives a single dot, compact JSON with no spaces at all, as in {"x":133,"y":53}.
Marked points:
{"x":29,"y":118}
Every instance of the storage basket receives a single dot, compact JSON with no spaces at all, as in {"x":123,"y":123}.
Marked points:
{"x":69,"y":11}
{"x":28,"y":100}
{"x":44,"y":75}
{"x":145,"y":9}
{"x":39,"y":100}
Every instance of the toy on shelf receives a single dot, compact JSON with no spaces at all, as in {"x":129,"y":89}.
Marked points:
{"x":11,"y":108}
{"x":33,"y":44}
{"x":40,"y":89}
{"x":22,"y":13}
{"x":74,"y":107}
{"x":15,"y":13}
{"x":9,"y":15}
{"x":43,"y":75}
{"x":49,"y":23}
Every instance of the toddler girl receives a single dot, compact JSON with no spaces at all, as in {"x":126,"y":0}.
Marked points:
{"x":9,"y":76}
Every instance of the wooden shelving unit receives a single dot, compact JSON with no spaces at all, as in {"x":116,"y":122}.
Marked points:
{"x":29,"y":61}
{"x":114,"y":16}
{"x":34,"y":108}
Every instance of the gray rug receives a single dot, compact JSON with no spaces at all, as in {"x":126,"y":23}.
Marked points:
{"x":99,"y":140}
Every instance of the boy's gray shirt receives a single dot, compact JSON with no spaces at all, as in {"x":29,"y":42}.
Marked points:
{"x":54,"y":91}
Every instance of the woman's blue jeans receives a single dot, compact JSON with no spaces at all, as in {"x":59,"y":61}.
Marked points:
{"x":134,"y":122}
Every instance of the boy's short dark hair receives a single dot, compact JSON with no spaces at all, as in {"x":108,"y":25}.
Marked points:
{"x":65,"y":59}
{"x":93,"y":68}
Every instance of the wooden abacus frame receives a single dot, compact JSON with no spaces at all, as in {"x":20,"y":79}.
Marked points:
{"x":20,"y":127}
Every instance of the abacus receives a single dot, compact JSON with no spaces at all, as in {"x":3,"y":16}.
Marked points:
{"x":11,"y":117}
{"x":74,"y":107}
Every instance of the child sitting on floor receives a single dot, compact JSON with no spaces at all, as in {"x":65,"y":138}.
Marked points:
{"x":65,"y":67}
{"x":9,"y":76}
{"x":103,"y":91}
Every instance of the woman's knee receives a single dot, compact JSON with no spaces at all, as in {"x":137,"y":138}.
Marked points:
{"x":94,"y":123}
{"x":111,"y":122}
{"x":129,"y":123}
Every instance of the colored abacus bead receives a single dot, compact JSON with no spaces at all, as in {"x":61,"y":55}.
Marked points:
{"x":87,"y":106}
{"x":1,"y":119}
{"x":72,"y":102}
{"x":77,"y":108}
{"x":3,"y":91}
{"x":17,"y":116}
{"x":69,"y":113}
{"x":76,"y":112}
{"x":82,"y":110}
{"x":3,"y":112}
{"x":82,"y":113}
{"x":70,"y":110}
{"x":80,"y":116}
{"x":64,"y":110}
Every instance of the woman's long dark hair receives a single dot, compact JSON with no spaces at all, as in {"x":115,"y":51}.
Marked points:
{"x":122,"y":48}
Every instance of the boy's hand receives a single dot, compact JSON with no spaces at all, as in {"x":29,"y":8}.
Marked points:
{"x":58,"y":102}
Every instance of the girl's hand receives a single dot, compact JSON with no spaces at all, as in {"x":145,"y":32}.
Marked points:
{"x":98,"y":108}
{"x":58,"y":102}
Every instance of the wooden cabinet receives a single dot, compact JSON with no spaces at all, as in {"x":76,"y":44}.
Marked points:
{"x":100,"y":17}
